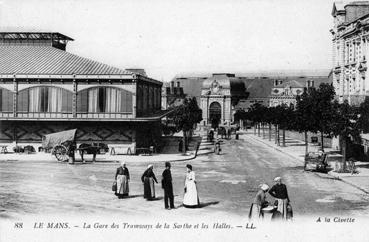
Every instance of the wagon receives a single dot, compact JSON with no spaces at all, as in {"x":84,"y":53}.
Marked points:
{"x":316,"y":161}
{"x":62,"y":143}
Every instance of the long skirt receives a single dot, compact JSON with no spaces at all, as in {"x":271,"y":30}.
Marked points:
{"x":281,"y":211}
{"x":191,"y":198}
{"x":122,"y":185}
{"x":255,"y":211}
{"x":149,"y":188}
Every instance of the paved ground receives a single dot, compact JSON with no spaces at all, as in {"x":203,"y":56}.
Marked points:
{"x":227,"y":184}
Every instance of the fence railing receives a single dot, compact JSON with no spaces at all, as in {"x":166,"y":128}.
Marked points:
{"x":60,"y":115}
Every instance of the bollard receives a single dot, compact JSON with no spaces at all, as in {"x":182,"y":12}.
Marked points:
{"x":71,"y":160}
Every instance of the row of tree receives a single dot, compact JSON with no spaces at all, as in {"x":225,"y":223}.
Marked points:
{"x":315,"y":111}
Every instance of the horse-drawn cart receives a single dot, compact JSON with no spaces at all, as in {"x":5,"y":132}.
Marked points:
{"x":63,"y":145}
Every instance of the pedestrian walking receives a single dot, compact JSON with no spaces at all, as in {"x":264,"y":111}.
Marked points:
{"x":279,"y":192}
{"x":167,"y":185}
{"x":259,"y":203}
{"x":217,"y":148}
{"x":148,"y":178}
{"x":190,"y":198}
{"x":122,"y":179}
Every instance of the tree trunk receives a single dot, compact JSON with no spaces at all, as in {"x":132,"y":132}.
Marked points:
{"x":322,"y":140}
{"x":278,"y":138}
{"x":343,"y":145}
{"x":184,"y":142}
{"x":259,"y":129}
{"x":283,"y":137}
{"x":275,"y":134}
{"x":270,"y":132}
{"x":306,"y":143}
{"x":263,"y":130}
{"x":255,"y":128}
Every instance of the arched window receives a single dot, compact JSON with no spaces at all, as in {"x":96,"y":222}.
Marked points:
{"x":44,"y":99}
{"x":6,"y":100}
{"x":104,"y":100}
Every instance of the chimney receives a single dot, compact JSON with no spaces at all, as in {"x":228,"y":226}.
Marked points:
{"x":172,"y":87}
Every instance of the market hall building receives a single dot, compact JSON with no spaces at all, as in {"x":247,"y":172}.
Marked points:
{"x":45,"y":89}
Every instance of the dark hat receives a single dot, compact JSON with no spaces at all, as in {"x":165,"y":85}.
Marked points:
{"x":189,"y":166}
{"x":167,"y":164}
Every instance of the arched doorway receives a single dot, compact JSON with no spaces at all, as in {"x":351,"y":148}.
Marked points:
{"x":215,"y":114}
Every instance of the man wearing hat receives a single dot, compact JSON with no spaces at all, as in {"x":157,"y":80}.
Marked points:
{"x":167,"y":185}
{"x":279,"y":191}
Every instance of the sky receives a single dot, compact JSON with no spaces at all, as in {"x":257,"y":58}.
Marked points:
{"x":170,"y":37}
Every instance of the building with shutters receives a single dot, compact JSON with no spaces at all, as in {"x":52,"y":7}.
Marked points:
{"x":350,"y":38}
{"x":45,"y":89}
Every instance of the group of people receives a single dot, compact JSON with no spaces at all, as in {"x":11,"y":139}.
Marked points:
{"x":281,"y":208}
{"x":148,"y":178}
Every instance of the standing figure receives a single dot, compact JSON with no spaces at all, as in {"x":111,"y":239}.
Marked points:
{"x":279,"y":191}
{"x":211,"y":135}
{"x":148,"y":178}
{"x":259,"y":203}
{"x":191,"y":198}
{"x":167,"y":185}
{"x":217,"y":148}
{"x":122,"y":179}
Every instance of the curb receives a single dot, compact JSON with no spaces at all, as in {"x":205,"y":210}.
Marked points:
{"x":329,"y":174}
{"x":349,"y":183}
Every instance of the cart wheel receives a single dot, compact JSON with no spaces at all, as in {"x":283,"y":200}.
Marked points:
{"x":60,"y":153}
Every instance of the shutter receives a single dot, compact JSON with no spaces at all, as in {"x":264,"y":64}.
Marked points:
{"x":5,"y":101}
{"x":23,"y":101}
{"x":128,"y":99}
{"x":65,"y":100}
{"x":82,"y":101}
{"x":1,"y":101}
{"x":123,"y":103}
{"x":70,"y":102}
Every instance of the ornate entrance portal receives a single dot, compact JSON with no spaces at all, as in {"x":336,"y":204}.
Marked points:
{"x":215,"y":113}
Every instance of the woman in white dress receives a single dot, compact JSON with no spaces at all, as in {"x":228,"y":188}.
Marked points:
{"x":191,"y":198}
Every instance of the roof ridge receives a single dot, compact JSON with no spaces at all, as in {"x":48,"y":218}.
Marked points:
{"x":50,"y":60}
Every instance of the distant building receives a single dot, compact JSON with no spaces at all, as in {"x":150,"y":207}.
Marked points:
{"x":350,"y":50}
{"x":172,"y":95}
{"x":45,"y":89}
{"x":221,"y":95}
{"x":285,"y":91}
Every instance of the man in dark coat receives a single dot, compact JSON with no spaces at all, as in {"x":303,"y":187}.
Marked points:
{"x":167,"y":185}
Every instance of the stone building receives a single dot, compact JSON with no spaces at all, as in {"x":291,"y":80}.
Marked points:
{"x":221,"y":95}
{"x":172,"y":95}
{"x":350,"y":49}
{"x":45,"y":89}
{"x":285,"y":90}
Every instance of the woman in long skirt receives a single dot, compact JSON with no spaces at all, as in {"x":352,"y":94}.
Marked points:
{"x":191,"y":198}
{"x":259,"y":203}
{"x":122,"y":179}
{"x":148,"y":178}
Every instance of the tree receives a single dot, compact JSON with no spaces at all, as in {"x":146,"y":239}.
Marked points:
{"x":185,"y":117}
{"x":286,"y":118}
{"x":255,"y":113}
{"x":363,"y":121}
{"x":323,"y":109}
{"x":345,"y":126}
{"x":304,"y":119}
